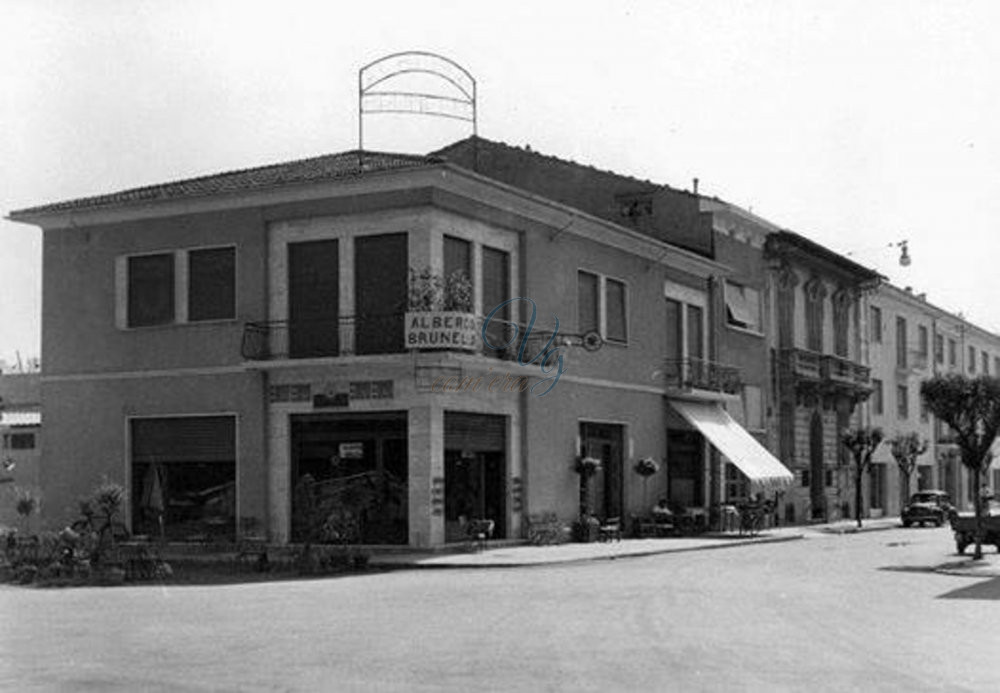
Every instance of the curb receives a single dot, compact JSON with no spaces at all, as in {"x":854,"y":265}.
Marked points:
{"x":582,"y":559}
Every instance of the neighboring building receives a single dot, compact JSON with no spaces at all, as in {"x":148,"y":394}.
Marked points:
{"x":20,"y":440}
{"x":909,"y":341}
{"x":821,"y":370}
{"x":235,"y":350}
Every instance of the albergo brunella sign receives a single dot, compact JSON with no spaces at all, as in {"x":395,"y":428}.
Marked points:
{"x":442,"y":329}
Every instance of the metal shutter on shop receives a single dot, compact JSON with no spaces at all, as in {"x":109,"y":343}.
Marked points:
{"x":475,"y":432}
{"x":184,"y":439}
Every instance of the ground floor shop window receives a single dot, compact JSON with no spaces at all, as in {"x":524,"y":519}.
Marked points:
{"x":475,"y":472}
{"x":685,"y":468}
{"x":350,"y":478}
{"x":737,"y":485}
{"x":184,"y":477}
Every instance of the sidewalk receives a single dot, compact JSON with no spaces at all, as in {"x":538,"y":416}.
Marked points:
{"x":526,"y":556}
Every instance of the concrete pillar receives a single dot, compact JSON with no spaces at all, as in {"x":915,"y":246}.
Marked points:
{"x":426,"y":475}
{"x":279,"y":478}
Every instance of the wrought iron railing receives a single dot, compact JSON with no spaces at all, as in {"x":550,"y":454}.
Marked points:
{"x":699,"y":374}
{"x":842,"y":370}
{"x":353,"y":335}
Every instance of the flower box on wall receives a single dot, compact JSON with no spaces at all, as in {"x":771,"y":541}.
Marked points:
{"x":440,"y":329}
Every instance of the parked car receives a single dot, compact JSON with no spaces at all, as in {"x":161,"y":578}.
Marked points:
{"x":928,"y":507}
{"x":964,"y":525}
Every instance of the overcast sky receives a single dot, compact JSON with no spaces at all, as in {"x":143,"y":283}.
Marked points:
{"x":858,"y":124}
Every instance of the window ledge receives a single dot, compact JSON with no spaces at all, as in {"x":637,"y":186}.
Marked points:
{"x":173,"y":325}
{"x":745,"y":330}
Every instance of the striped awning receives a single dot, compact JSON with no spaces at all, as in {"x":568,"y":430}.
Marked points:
{"x":735,"y":443}
{"x":20,"y":418}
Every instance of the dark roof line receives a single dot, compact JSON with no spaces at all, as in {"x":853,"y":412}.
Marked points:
{"x":527,"y":151}
{"x":318,"y":168}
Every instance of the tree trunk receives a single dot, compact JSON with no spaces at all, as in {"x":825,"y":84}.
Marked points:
{"x":904,"y":488}
{"x":858,"y":477}
{"x":978,"y":555}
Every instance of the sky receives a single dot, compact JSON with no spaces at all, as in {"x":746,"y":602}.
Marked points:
{"x":858,"y":124}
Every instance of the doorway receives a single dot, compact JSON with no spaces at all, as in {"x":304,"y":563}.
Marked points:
{"x":686,"y":468}
{"x":604,"y":442}
{"x":475,"y":472}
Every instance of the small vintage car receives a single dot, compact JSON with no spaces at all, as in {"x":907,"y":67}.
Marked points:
{"x":932,"y":507}
{"x":964,"y":526}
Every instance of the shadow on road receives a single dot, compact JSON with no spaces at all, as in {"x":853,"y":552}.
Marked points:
{"x":987,"y":589}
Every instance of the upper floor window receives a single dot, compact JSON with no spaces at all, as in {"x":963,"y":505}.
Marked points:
{"x":985,"y":363}
{"x":151,"y":290}
{"x":602,"y":306}
{"x":211,"y":284}
{"x":939,"y":348}
{"x":815,"y":295}
{"x":901,"y":342}
{"x":876,"y":324}
{"x":903,"y":401}
{"x":878,"y":406}
{"x":923,"y":342}
{"x":685,"y":318}
{"x":841,"y":315}
{"x":457,"y":257}
{"x":972,"y":359}
{"x":743,"y":307}
{"x":996,"y":370}
{"x":177,"y":287}
{"x":952,"y":352}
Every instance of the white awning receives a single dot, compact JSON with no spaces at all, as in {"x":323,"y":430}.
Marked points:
{"x":733,"y":441}
{"x":20,"y":418}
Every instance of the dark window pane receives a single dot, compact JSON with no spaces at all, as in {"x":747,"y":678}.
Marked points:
{"x":380,"y":290}
{"x":496,"y":290}
{"x":587,"y":303}
{"x":313,"y":299}
{"x":212,"y":284}
{"x":695,"y":337}
{"x":457,"y":256}
{"x":615,"y":305}
{"x":151,"y":290}
{"x":675,"y":330}
{"x":901,"y":342}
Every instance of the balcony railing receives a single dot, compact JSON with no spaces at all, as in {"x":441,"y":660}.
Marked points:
{"x":802,"y":363}
{"x":346,"y":336}
{"x":841,"y":370}
{"x":699,"y":374}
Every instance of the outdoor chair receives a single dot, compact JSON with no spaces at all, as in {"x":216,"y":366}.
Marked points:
{"x":479,"y":532}
{"x":610,"y":529}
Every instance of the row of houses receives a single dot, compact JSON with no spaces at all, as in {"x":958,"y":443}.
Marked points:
{"x":392,"y":345}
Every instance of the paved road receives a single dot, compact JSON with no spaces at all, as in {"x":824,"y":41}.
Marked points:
{"x":826,"y":613}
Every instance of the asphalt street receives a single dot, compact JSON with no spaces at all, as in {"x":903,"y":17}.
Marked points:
{"x":829,"y":612}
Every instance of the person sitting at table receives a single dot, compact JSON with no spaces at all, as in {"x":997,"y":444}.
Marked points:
{"x":662,"y":513}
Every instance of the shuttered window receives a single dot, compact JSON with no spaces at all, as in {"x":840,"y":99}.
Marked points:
{"x":212,"y":284}
{"x":184,"y":439}
{"x":150,"y":290}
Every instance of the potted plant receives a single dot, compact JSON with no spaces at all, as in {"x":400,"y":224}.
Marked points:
{"x":646,"y":467}
{"x":439,"y":312}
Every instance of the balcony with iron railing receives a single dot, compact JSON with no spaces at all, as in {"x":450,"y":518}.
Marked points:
{"x":698,"y":374}
{"x":842,"y":370}
{"x":359,"y":335}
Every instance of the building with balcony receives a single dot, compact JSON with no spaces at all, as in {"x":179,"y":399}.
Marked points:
{"x":910,"y":340}
{"x":375,"y":348}
{"x":820,"y":367}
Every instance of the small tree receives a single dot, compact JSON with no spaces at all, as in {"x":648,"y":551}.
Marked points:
{"x":25,"y":505}
{"x":861,"y":443}
{"x":906,"y":448}
{"x":971,"y":407}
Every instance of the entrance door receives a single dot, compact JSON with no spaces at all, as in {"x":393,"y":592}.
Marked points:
{"x":686,"y":468}
{"x":475,"y":472}
{"x":604,"y":441}
{"x":817,"y":479}
{"x":313,"y":294}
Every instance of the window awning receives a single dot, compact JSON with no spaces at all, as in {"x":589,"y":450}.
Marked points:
{"x":735,"y":443}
